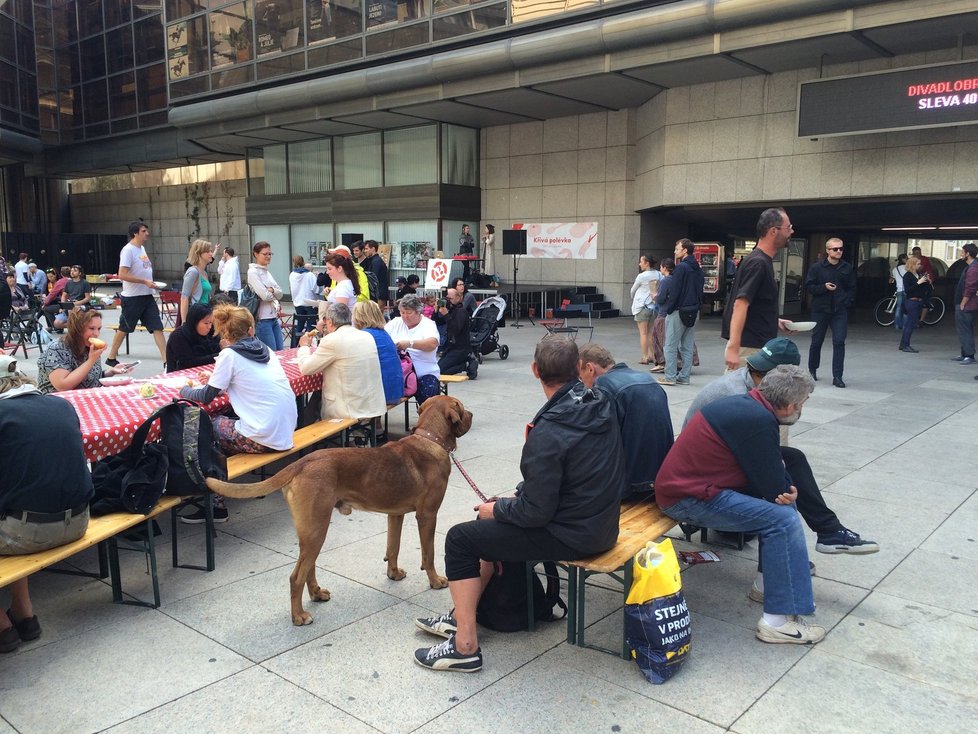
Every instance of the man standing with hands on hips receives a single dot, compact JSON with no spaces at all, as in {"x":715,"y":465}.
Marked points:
{"x":832,"y":286}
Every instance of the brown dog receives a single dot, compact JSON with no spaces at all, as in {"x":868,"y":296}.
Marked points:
{"x":410,"y":475}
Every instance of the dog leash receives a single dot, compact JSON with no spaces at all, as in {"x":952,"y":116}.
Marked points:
{"x":478,"y":492}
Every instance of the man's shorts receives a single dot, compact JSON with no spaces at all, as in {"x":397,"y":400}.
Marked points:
{"x":645,"y":315}
{"x":19,"y":537}
{"x":139,"y":309}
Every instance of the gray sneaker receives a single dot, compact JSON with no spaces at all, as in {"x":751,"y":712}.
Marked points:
{"x":846,"y":541}
{"x":445,"y":656}
{"x":796,"y":631}
{"x":443,"y":625}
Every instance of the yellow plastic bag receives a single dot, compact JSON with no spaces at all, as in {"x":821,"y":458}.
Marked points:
{"x":655,"y":573}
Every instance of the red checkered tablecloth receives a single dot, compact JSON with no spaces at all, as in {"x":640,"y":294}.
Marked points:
{"x":109,"y":416}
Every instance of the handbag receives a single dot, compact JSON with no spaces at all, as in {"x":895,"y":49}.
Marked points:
{"x":657,"y":620}
{"x":134,"y":480}
{"x":247,"y":298}
{"x":688,"y":316}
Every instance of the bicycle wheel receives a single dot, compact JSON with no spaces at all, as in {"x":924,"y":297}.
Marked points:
{"x":935,"y":311}
{"x":884,"y":311}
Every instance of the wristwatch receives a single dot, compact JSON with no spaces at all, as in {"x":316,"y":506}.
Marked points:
{"x":411,"y":344}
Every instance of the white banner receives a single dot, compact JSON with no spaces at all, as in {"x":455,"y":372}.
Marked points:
{"x":568,"y":241}
{"x":437,"y":275}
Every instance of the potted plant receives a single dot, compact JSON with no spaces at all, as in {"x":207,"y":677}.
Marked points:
{"x":239,"y":39}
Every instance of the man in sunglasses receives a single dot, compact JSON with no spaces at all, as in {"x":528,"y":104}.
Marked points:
{"x":832,"y":286}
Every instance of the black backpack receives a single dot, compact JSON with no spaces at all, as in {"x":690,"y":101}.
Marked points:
{"x":191,"y":444}
{"x":503,"y":604}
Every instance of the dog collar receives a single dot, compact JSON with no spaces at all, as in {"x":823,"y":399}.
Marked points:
{"x":431,"y":437}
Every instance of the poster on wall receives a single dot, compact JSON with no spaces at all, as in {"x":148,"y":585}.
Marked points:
{"x":437,"y":274}
{"x":565,"y":241}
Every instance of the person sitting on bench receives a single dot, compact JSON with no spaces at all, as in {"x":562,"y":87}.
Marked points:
{"x":566,"y":508}
{"x":725,"y":472}
{"x":43,"y":503}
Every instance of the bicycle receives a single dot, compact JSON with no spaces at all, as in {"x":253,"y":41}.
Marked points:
{"x":885,"y":311}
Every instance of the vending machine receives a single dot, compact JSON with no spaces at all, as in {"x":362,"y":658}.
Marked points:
{"x":710,"y":257}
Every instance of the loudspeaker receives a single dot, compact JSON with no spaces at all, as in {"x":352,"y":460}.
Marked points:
{"x":514,"y":241}
{"x":349,"y":239}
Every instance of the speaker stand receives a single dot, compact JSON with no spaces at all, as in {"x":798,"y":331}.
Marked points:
{"x":515,"y":304}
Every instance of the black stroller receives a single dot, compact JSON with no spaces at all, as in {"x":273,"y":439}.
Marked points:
{"x":484,"y":325}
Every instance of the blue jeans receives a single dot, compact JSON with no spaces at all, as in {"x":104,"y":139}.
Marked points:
{"x":912,"y":308}
{"x":304,"y":319}
{"x":900,"y":317}
{"x":964,"y":323}
{"x":784,"y":555}
{"x":269,"y":333}
{"x":838,"y":321}
{"x":679,"y":340}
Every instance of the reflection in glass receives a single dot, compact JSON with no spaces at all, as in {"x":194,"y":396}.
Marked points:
{"x":120,"y":42}
{"x":186,"y":45}
{"x":122,"y":94}
{"x":149,"y":46}
{"x":335,"y":53}
{"x":95,"y":100}
{"x":180,"y":8}
{"x":524,"y":10}
{"x":151,"y":86}
{"x":459,"y":24}
{"x":394,"y":40}
{"x":279,"y":65}
{"x":327,"y":19}
{"x":117,"y":12}
{"x":278,"y":24}
{"x":391,"y":11}
{"x":8,"y":46}
{"x":231,"y":37}
{"x":256,"y":172}
{"x":89,"y":17}
{"x":92,"y":58}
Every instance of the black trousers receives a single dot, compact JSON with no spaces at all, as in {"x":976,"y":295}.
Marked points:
{"x":454,"y":361}
{"x":838,"y":321}
{"x":810,"y":503}
{"x":469,"y":542}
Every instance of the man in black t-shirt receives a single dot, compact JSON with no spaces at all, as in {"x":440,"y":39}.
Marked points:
{"x":750,"y":319}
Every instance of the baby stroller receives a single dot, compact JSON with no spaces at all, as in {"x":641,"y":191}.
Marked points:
{"x":485,"y":322}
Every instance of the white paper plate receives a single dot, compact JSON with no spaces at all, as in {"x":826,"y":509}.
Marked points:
{"x":115,"y":380}
{"x":314,"y":302}
{"x":159,"y":284}
{"x":800,"y":325}
{"x":176,"y":382}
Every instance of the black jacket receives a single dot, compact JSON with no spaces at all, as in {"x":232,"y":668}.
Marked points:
{"x":186,"y":348}
{"x":686,"y":288}
{"x":456,"y":321}
{"x":573,"y":472}
{"x":376,"y":265}
{"x":844,"y":278}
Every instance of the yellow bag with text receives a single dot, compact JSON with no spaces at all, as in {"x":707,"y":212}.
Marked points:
{"x":657,"y":620}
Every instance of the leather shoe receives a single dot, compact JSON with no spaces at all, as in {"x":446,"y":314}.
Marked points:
{"x":909,"y":349}
{"x":837,"y":381}
{"x":812,"y":373}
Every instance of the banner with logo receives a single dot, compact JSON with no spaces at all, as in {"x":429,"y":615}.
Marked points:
{"x":567,"y":241}
{"x":437,"y":275}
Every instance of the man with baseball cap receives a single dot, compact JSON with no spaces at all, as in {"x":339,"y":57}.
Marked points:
{"x":833,"y":536}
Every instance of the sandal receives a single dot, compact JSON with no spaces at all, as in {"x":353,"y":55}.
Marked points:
{"x":658,"y":368}
{"x":643,"y":361}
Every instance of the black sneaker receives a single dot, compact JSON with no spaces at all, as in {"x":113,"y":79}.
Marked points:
{"x":472,"y":371}
{"x":443,"y":625}
{"x":198,"y":517}
{"x":111,"y":362}
{"x":444,"y":656}
{"x":9,"y":640}
{"x":27,"y":629}
{"x":845,"y":541}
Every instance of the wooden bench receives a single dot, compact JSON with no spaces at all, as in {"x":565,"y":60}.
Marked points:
{"x":303,"y":438}
{"x":640,"y":521}
{"x":444,"y":381}
{"x":102,"y":531}
{"x":166,"y":330}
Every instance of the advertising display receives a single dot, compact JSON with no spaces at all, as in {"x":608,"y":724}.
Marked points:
{"x":566,"y":241}
{"x":710,"y":257}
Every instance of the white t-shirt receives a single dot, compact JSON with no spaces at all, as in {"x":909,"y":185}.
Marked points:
{"x":303,"y":287}
{"x":21,"y":270}
{"x":343,"y":289}
{"x":897,"y":274}
{"x":136,"y":259}
{"x":230,"y":274}
{"x":425,"y":363}
{"x":261,"y":396}
{"x":641,"y":289}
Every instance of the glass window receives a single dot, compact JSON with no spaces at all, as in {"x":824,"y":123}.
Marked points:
{"x":119,"y":43}
{"x":89,"y":17}
{"x":25,"y":48}
{"x":233,"y":76}
{"x":369,"y":230}
{"x":278,"y":25}
{"x":28,"y":96}
{"x":151,"y":87}
{"x":185,"y":87}
{"x":412,"y":35}
{"x":459,"y":155}
{"x":310,"y":166}
{"x":311,"y":240}
{"x":42,"y":26}
{"x":150,"y":47}
{"x":411,"y":156}
{"x":8,"y":46}
{"x":117,"y":12}
{"x":143,"y":8}
{"x":380,"y":12}
{"x":92,"y":58}
{"x":278,"y":65}
{"x":178,"y":8}
{"x":47,"y":104}
{"x":45,"y":69}
{"x":95,"y":100}
{"x":357,"y":161}
{"x":122,"y":94}
{"x":470,"y":21}
{"x":232,"y":35}
{"x":275,"y":170}
{"x":335,"y":53}
{"x":65,"y":30}
{"x":186,"y":45}
{"x":327,"y":20}
{"x":154,"y":119}
{"x":523,"y":11}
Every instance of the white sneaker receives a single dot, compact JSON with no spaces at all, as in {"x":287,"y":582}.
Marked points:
{"x":796,"y":631}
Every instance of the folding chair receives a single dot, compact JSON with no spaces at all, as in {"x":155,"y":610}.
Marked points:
{"x":169,"y":307}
